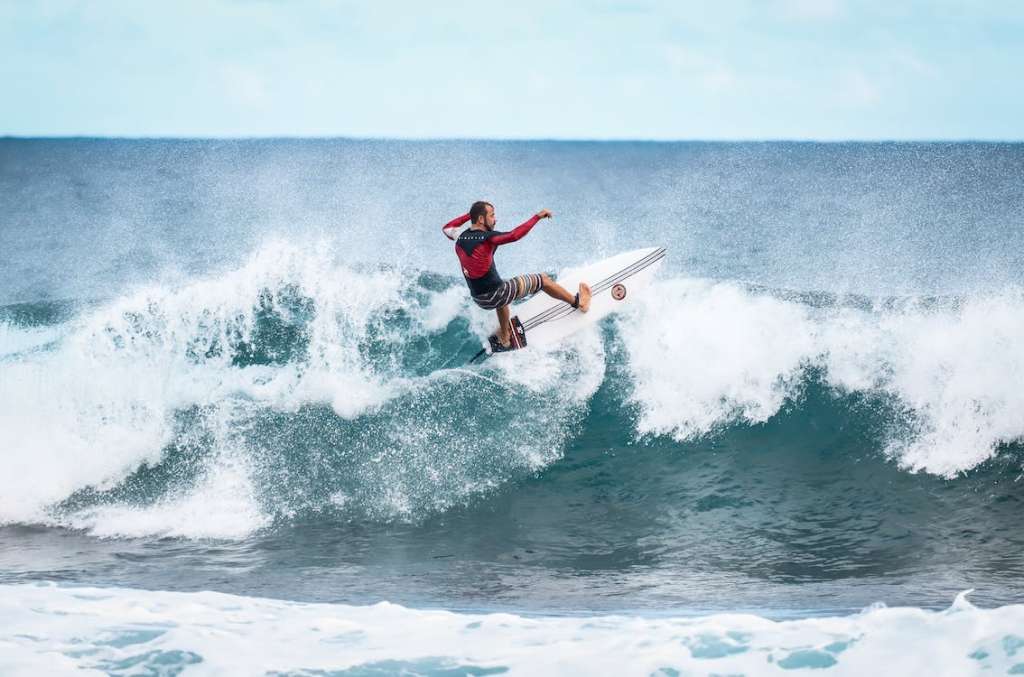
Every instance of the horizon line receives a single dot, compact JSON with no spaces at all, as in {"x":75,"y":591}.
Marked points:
{"x":458,"y":139}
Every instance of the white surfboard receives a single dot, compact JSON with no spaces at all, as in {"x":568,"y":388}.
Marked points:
{"x":614,"y":283}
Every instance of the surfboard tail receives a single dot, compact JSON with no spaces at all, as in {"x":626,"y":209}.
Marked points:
{"x":516,"y":336}
{"x":517,"y":340}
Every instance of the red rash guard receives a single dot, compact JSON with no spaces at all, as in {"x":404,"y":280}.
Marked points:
{"x":475,"y":249}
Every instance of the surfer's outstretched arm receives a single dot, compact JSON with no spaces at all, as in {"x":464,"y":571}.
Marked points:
{"x":521,"y":230}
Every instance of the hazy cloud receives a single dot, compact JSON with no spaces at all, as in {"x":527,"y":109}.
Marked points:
{"x":538,"y":68}
{"x":711,"y":73}
{"x":857,"y":89}
{"x":244,"y":84}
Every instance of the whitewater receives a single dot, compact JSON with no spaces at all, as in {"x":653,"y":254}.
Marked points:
{"x":102,"y":631}
{"x":234,"y":394}
{"x":123,"y":382}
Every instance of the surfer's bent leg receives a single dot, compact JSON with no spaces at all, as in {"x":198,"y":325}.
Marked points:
{"x":513,"y":289}
{"x":503,"y":328}
{"x":520,"y":287}
{"x":555,"y":290}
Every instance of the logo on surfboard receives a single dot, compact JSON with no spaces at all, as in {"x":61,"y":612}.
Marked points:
{"x":619,"y":292}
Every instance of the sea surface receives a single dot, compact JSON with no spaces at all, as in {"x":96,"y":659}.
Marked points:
{"x":238,"y":431}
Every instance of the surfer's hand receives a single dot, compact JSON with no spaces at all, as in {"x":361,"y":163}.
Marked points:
{"x":544,"y":214}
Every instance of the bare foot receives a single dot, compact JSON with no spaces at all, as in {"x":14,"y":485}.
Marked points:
{"x":584,"y":297}
{"x":504,"y":339}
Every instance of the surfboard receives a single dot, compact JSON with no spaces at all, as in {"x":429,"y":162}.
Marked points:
{"x":543,"y":322}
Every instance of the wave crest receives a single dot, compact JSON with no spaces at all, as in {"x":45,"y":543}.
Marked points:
{"x":296,"y":386}
{"x":703,"y":355}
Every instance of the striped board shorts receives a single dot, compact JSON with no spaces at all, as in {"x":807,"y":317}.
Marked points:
{"x":510,"y":290}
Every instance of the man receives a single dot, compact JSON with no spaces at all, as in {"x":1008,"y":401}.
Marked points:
{"x":475,"y":249}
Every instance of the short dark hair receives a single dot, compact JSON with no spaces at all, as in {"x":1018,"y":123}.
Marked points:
{"x":478,"y":209}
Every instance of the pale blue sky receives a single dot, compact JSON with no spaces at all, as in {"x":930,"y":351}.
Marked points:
{"x":729,"y":69}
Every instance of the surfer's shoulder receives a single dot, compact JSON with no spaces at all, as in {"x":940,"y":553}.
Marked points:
{"x":471,"y":234}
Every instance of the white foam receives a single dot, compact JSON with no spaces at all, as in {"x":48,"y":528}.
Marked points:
{"x":107,"y":398}
{"x":14,"y":339}
{"x":703,"y":355}
{"x":706,"y":354}
{"x":443,"y":308}
{"x":222,"y":505}
{"x":65,"y":424}
{"x":100,"y":402}
{"x":43,"y":627}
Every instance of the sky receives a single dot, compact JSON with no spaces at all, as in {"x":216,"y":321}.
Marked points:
{"x":550,"y":69}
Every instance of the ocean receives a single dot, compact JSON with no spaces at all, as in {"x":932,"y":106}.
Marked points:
{"x":238,"y":431}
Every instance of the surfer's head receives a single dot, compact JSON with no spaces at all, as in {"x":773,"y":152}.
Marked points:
{"x":482,"y":213}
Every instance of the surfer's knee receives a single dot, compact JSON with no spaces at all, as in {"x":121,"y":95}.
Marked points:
{"x":546,"y":281}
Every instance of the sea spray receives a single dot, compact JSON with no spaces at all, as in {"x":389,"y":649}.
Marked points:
{"x":704,"y":355}
{"x":299,"y":385}
{"x":295,"y":385}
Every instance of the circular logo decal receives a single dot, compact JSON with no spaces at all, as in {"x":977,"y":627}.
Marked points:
{"x":619,"y":292}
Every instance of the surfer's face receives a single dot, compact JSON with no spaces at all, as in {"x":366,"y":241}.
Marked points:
{"x":489,"y":220}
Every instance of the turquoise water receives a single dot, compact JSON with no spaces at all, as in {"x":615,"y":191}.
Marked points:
{"x":240,"y":367}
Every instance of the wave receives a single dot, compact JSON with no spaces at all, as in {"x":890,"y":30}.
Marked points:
{"x":290,"y":382}
{"x":295,"y":386}
{"x":706,"y":354}
{"x":53,"y":629}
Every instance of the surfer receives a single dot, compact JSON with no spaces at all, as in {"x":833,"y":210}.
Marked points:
{"x":475,"y":249}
